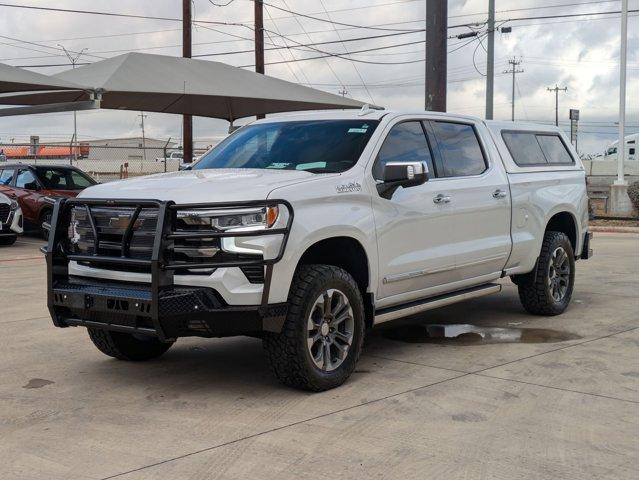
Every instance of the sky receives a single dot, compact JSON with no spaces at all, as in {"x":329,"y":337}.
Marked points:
{"x":580,"y":53}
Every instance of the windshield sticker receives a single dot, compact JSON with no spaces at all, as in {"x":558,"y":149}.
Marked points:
{"x":362,"y":129}
{"x":309,"y":166}
{"x":278,"y":165}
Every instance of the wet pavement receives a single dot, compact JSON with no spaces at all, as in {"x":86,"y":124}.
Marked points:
{"x":479,"y":390}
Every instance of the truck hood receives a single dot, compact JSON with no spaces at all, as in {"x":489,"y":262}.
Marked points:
{"x":202,"y":186}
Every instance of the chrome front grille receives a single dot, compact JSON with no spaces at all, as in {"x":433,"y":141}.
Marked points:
{"x":111,"y":225}
{"x":5,"y":212}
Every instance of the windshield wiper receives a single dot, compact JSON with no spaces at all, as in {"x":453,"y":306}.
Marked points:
{"x":320,"y":170}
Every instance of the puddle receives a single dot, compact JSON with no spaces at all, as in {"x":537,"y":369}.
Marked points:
{"x":465,"y":334}
{"x":37,"y":383}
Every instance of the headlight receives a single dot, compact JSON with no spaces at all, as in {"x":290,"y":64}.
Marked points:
{"x":13,"y":205}
{"x":247,"y":219}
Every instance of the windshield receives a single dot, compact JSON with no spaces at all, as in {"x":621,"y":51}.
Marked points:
{"x":318,"y":146}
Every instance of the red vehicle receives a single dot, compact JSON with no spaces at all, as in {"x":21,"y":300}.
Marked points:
{"x":36,"y":187}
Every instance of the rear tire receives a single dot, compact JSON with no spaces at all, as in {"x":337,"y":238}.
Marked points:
{"x":8,"y":240}
{"x":548,"y":289}
{"x":125,"y":346}
{"x":323,"y":334}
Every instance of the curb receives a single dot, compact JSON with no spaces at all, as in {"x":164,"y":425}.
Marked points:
{"x":596,"y":229}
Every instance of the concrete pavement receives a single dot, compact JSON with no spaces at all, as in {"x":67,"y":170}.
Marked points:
{"x":563,"y":402}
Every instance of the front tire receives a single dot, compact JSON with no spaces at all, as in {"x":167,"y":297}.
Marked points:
{"x":125,"y":346}
{"x":322,"y":337}
{"x":548,"y":290}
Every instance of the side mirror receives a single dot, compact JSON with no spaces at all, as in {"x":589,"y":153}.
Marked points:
{"x":402,"y":174}
{"x":32,"y":186}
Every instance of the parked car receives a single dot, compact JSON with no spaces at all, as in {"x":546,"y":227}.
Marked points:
{"x":36,"y":187}
{"x":172,"y":156}
{"x":308,"y":230}
{"x":10,"y":220}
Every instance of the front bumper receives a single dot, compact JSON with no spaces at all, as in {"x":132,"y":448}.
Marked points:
{"x":178,"y":311}
{"x":159,"y":308}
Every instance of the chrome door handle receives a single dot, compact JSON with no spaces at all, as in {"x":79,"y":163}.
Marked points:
{"x":441,"y":198}
{"x":500,"y":194}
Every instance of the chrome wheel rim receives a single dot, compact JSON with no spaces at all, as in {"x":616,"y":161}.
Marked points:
{"x":330,"y":330}
{"x":558,"y":277}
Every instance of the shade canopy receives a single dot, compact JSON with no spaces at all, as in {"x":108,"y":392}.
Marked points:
{"x":158,"y":83}
{"x":14,"y":79}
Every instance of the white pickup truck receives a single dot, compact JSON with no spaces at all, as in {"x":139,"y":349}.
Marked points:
{"x":306,"y":230}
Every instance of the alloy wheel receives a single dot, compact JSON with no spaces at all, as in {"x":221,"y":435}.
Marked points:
{"x":330,"y":330}
{"x":558,"y":274}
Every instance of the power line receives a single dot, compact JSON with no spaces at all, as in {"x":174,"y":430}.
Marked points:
{"x":281,"y":54}
{"x":346,"y":50}
{"x":299,"y":14}
{"x":299,"y":23}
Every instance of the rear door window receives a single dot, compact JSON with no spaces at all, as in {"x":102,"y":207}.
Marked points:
{"x":554,"y":149}
{"x":406,"y":142}
{"x":460,"y":151}
{"x":79,"y":181}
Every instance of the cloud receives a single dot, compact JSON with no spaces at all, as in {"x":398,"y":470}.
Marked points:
{"x":582,"y":55}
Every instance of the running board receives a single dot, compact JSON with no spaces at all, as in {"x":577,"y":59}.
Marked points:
{"x":412,"y":308}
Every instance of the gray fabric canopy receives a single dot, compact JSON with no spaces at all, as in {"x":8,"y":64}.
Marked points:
{"x":158,"y":83}
{"x":14,"y":79}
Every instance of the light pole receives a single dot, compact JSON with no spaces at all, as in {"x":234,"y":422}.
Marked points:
{"x":490,"y":61}
{"x":620,"y":202}
{"x":74,"y":59}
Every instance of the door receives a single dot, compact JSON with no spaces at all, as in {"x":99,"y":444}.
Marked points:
{"x":480,"y":199}
{"x":414,"y":231}
{"x":26,"y":193}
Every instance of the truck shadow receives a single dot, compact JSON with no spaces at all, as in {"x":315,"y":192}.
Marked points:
{"x":489,"y":320}
{"x":238,"y":366}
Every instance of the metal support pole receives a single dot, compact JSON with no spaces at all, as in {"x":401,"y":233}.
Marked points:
{"x":556,"y":89}
{"x":186,"y":53}
{"x":436,"y":54}
{"x":512,"y":112}
{"x":490,"y":61}
{"x":514,"y":70}
{"x":73,"y":58}
{"x":259,"y":39}
{"x":621,"y":147}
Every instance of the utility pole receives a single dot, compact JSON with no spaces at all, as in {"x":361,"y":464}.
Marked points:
{"x":436,"y":54}
{"x":620,"y":202}
{"x":556,"y":89}
{"x":514,"y":63}
{"x":142,"y":117}
{"x":187,"y":120}
{"x":73,"y":58}
{"x":259,"y":39}
{"x":490,"y":61}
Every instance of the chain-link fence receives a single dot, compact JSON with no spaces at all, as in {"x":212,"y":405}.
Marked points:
{"x":104,"y":163}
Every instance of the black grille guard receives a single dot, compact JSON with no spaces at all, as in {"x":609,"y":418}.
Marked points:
{"x":161,"y":268}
